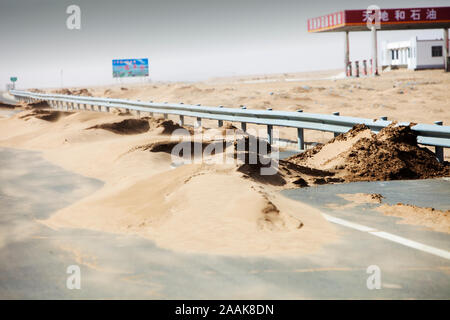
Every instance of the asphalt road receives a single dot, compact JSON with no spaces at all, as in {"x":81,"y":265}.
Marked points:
{"x":34,"y":258}
{"x":5,"y":99}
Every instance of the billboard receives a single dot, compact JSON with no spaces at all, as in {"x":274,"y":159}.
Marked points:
{"x":130,"y":68}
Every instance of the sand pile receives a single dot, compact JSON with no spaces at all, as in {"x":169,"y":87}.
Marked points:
{"x":75,"y":92}
{"x":127,"y":126}
{"x":35,"y":105}
{"x":360,"y":155}
{"x":167,"y":126}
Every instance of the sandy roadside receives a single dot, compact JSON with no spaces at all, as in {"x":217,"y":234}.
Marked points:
{"x":401,"y":95}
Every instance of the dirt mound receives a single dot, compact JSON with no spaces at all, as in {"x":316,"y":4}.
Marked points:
{"x":168,"y":126}
{"x":228,"y":126}
{"x":62,"y":91}
{"x":75,"y":92}
{"x":35,"y":105}
{"x":36,"y":90}
{"x":359,"y":155}
{"x":127,"y":126}
{"x":287,"y":174}
{"x":120,"y":112}
{"x":187,"y":149}
{"x":47,"y":115}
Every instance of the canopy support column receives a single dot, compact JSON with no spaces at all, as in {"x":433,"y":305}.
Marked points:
{"x":346,"y":52}
{"x":374,"y":51}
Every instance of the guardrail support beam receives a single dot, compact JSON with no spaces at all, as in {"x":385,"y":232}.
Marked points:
{"x":336,"y":133}
{"x":244,"y":124}
{"x":269,"y":134}
{"x":220,"y":122}
{"x":439,"y":151}
{"x":300,"y":136}
{"x":300,"y":139}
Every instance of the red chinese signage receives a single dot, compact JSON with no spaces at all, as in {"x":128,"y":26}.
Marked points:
{"x":386,"y":17}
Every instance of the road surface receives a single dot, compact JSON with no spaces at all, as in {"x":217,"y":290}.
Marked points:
{"x":34,"y":259}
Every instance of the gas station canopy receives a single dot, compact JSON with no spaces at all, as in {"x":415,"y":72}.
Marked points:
{"x":389,"y":19}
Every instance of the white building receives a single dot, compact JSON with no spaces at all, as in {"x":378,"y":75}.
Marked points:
{"x":414,"y":54}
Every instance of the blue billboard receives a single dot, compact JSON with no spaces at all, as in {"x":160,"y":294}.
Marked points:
{"x":130,"y":68}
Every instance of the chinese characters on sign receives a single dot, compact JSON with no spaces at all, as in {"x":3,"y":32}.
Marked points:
{"x":400,"y":16}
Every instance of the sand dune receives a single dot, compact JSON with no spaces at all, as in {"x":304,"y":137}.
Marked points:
{"x":207,"y":208}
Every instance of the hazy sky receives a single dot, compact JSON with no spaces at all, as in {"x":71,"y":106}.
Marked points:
{"x":183,"y":39}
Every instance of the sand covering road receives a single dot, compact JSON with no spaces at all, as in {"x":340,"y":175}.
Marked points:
{"x":204,"y":208}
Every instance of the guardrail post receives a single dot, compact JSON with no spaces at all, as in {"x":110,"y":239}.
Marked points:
{"x":269,"y":131}
{"x":138,"y":113}
{"x":220,"y":122}
{"x":181,"y":122}
{"x":107,"y":109}
{"x":166,"y":116}
{"x":244,"y":124}
{"x":300,"y":137}
{"x":439,"y":151}
{"x":336,"y":114}
{"x":99,"y":108}
{"x":92,"y":107}
{"x":198,"y":123}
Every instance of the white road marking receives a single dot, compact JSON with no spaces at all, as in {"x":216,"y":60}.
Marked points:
{"x":391,"y":237}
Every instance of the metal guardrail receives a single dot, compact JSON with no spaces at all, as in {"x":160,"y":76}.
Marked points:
{"x":431,"y":135}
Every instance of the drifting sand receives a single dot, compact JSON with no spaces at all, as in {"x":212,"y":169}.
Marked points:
{"x":430,"y":218}
{"x":226,"y":209}
{"x":193,"y":208}
{"x":360,"y":198}
{"x":356,"y":199}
